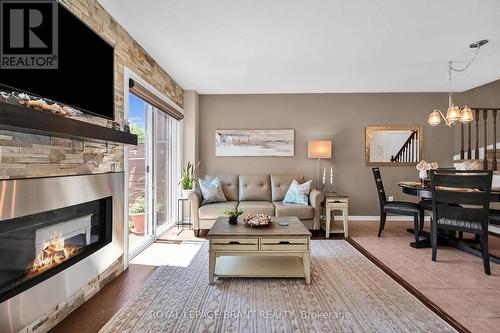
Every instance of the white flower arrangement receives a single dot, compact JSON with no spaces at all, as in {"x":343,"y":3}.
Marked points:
{"x":423,"y":167}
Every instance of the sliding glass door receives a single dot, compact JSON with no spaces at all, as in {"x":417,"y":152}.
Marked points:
{"x":154,"y":170}
{"x":167,"y":169}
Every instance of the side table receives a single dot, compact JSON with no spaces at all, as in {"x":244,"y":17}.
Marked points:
{"x":339,"y":202}
{"x":180,"y":215}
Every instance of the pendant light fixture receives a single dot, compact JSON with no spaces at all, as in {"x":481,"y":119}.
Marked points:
{"x":454,"y":113}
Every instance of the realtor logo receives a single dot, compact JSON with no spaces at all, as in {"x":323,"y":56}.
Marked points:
{"x":28,"y":34}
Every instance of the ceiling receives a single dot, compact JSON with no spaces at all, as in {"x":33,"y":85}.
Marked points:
{"x":314,"y":46}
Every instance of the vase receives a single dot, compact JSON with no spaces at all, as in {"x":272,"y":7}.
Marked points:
{"x":185,"y":193}
{"x":233,"y":220}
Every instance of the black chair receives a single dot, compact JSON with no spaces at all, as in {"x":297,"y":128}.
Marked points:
{"x":396,"y":207}
{"x":461,"y":202}
{"x":426,"y":204}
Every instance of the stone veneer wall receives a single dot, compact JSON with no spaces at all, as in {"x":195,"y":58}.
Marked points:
{"x":26,"y":155}
{"x":60,"y":311}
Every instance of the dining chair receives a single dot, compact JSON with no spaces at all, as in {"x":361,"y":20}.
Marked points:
{"x":396,"y":207}
{"x":426,"y":204}
{"x":461,"y":202}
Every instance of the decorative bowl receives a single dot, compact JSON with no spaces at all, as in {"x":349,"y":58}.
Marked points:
{"x":258,"y":220}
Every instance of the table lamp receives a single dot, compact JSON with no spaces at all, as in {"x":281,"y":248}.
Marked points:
{"x":320,"y":150}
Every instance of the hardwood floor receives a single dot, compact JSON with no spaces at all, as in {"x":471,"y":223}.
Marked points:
{"x":96,"y":312}
{"x":456,"y":282}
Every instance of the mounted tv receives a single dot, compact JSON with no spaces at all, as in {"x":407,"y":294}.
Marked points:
{"x":84,"y":76}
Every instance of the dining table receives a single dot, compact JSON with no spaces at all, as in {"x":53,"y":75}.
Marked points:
{"x":451,"y":239}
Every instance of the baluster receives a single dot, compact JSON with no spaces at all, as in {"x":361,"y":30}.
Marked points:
{"x":476,"y":153}
{"x":411,"y":150}
{"x":469,"y":151}
{"x":485,"y":160}
{"x":413,"y":154}
{"x":494,"y":140}
{"x":462,"y":153}
{"x":417,"y":149}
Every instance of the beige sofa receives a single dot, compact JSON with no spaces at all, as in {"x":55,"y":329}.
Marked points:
{"x":256,"y":193}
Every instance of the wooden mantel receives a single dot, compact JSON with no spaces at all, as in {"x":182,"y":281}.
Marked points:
{"x":23,"y":119}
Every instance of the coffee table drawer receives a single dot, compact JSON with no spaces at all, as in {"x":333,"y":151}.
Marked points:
{"x":235,"y":244}
{"x":284,"y":244}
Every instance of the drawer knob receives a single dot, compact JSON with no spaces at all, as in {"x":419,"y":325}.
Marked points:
{"x":284,"y":242}
{"x":233,"y":242}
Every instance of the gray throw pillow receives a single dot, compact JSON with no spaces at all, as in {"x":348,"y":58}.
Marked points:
{"x":212,"y":191}
{"x":298,"y":193}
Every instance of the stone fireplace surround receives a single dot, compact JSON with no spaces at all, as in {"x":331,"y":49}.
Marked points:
{"x":45,"y":304}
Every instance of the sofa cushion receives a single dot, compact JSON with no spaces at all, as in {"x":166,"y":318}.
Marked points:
{"x":255,"y":188}
{"x":302,"y":212}
{"x":257,"y":207}
{"x":214,"y":210}
{"x":281,"y":183}
{"x":212,"y":191}
{"x":229,"y":185}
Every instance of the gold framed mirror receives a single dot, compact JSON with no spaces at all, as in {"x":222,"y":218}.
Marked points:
{"x":394,"y":145}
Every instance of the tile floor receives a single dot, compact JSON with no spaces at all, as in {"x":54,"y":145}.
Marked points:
{"x":456,"y":282}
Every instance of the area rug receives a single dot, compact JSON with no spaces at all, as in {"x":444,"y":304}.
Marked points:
{"x":348,"y":294}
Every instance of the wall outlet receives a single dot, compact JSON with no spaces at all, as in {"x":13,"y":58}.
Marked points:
{"x":391,"y":198}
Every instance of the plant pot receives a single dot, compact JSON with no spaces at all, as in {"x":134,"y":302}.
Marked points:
{"x":138,"y":222}
{"x":186,"y":193}
{"x":233,"y":220}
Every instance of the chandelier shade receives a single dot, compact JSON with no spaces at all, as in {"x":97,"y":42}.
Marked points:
{"x":466,"y":115}
{"x":453,"y":114}
{"x":434,"y":118}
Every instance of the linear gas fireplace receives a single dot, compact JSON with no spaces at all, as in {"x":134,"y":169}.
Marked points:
{"x":37,"y":246}
{"x":58,"y":237}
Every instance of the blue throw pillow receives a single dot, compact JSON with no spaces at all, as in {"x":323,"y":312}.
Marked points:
{"x":298,"y":193}
{"x":212,"y":191}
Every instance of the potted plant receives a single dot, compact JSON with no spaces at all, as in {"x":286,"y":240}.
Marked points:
{"x":136,"y":212}
{"x":233,"y":215}
{"x":188,"y":179}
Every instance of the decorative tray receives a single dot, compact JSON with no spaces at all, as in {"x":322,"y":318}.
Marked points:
{"x":258,"y":220}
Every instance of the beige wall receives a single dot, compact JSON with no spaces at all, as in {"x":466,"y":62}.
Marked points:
{"x":340,"y":117}
{"x":190,"y":128}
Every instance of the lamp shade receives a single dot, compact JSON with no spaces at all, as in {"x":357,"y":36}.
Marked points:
{"x":319,"y":149}
{"x":466,"y":115}
{"x":434,"y":118}
{"x":453,"y":114}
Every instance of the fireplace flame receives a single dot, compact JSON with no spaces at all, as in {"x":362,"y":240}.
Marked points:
{"x":53,"y":252}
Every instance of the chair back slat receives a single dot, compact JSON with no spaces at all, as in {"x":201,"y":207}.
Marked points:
{"x":461,"y":199}
{"x":461,"y":179}
{"x":380,"y":186}
{"x":461,"y":213}
{"x":449,"y":196}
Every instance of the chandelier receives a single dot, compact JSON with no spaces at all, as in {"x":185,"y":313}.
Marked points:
{"x":454,"y":113}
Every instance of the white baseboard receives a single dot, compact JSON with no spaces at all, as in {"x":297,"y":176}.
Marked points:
{"x":377,"y":218}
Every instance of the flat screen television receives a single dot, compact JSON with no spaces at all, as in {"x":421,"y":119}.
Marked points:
{"x":84,"y":77}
